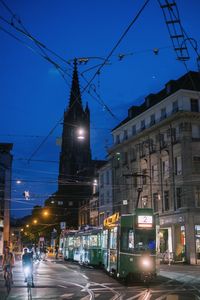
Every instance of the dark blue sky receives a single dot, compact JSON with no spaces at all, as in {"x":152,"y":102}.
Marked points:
{"x":33,"y":95}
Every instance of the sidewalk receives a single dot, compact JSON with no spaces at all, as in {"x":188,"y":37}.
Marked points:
{"x":181,"y":272}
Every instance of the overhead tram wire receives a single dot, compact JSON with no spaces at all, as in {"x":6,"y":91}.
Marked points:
{"x":62,"y":73}
{"x":93,"y":77}
{"x":55,"y":64}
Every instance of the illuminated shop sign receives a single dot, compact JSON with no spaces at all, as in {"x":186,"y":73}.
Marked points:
{"x":145,"y":221}
{"x":112,"y":220}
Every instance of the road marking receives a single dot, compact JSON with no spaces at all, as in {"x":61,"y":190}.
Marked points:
{"x":64,"y":296}
{"x":136,"y":296}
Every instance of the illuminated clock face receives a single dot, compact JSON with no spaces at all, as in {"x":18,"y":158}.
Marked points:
{"x":145,"y":221}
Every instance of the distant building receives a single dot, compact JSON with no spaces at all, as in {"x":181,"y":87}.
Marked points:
{"x":76,"y":169}
{"x":105,"y":192}
{"x":5,"y":193}
{"x":156,"y":159}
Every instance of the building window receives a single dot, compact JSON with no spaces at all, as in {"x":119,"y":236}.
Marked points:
{"x":178,"y":197}
{"x":152,"y":119}
{"x":177,"y":165}
{"x":166,"y":200}
{"x":142,"y":125}
{"x":134,"y":130}
{"x":125,"y":158}
{"x":197,"y":196}
{"x":102,"y":200}
{"x":165,"y":168}
{"x":117,"y":139}
{"x":60,"y":202}
{"x":195,"y":131}
{"x":108,"y":197}
{"x":154,"y":172}
{"x":144,"y":177}
{"x":162,"y":140}
{"x":163,"y":113}
{"x":175,"y":106}
{"x":144,"y":201}
{"x":152,"y":146}
{"x":133,"y":154}
{"x":196,"y":164}
{"x":125,"y":135}
{"x":155,"y":202}
{"x":194,"y":105}
{"x":107,"y":177}
{"x":142,"y":149}
{"x":102,"y":180}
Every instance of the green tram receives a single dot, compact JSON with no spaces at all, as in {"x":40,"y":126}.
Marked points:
{"x":125,"y":247}
{"x":68,"y":245}
{"x":131,"y":245}
{"x":84,"y":246}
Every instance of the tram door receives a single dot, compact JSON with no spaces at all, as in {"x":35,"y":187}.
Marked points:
{"x":112,"y":250}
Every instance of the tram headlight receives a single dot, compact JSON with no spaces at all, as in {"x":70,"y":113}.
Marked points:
{"x":146,"y":263}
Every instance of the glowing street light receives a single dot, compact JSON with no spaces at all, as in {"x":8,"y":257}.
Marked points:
{"x":27,"y":226}
{"x":21,"y":229}
{"x":81,"y":134}
{"x":35,"y":221}
{"x":18,"y":181}
{"x":45,"y":213}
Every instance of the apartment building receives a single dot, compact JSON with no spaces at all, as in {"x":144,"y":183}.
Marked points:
{"x":105,"y":192}
{"x":156,"y":163}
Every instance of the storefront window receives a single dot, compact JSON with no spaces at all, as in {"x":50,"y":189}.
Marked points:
{"x":197,"y":237}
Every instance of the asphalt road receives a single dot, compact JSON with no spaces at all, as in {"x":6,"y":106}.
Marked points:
{"x":59,"y":280}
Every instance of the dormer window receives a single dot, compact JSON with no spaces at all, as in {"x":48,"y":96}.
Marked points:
{"x":163,"y":113}
{"x":133,"y":129}
{"x":152,"y":119}
{"x":194,"y":105}
{"x":142,"y":127}
{"x":117,"y":139}
{"x":125,"y":135}
{"x":175,"y":106}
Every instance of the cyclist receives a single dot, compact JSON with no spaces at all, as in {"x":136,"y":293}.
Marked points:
{"x":27,"y":262}
{"x":8,"y":262}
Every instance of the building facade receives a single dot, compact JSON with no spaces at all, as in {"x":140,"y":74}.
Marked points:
{"x":5,"y":193}
{"x":105,"y":192}
{"x":156,"y":163}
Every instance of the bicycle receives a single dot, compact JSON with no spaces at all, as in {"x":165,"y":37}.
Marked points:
{"x":8,"y":278}
{"x":29,"y":280}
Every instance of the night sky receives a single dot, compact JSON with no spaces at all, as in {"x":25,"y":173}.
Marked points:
{"x":33,"y":94}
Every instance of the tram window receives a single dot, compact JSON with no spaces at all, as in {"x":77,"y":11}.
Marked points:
{"x":70,"y":241}
{"x":93,"y":240}
{"x":105,"y":239}
{"x":113,"y":238}
{"x":145,"y":241}
{"x":77,"y":242}
{"x":85,"y":241}
{"x":130,"y":239}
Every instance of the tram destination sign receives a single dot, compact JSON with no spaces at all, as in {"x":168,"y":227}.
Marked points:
{"x":145,"y":221}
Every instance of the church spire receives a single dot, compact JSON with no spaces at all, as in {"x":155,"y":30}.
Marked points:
{"x":75,"y":95}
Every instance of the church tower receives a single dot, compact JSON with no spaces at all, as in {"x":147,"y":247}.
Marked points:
{"x":75,"y":155}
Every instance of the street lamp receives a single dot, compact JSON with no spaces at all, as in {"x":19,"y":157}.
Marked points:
{"x":81,"y":134}
{"x":27,"y":226}
{"x":35,"y":221}
{"x":45,"y":213}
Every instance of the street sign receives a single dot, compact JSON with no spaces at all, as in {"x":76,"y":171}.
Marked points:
{"x":62,"y":225}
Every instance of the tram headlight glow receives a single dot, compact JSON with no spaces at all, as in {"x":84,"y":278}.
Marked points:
{"x":146,"y":262}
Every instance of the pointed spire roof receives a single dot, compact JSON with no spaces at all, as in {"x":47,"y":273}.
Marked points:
{"x":75,"y":95}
